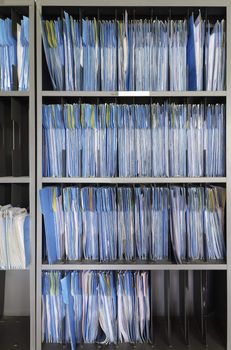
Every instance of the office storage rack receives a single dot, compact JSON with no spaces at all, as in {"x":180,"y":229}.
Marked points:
{"x":192,"y":283}
{"x":17,"y":176}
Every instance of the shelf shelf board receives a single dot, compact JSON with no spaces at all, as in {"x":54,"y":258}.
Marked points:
{"x":47,"y":93}
{"x":122,"y":3}
{"x":133,"y":180}
{"x":133,"y":266}
{"x":16,"y":2}
{"x":14,"y":93}
{"x":14,"y":179}
{"x":215,"y":340}
{"x":15,"y":332}
{"x":18,"y":270}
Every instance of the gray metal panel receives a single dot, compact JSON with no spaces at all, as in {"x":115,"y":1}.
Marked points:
{"x":39,"y":180}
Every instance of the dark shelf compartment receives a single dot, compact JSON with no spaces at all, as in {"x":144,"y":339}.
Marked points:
{"x":14,"y":136}
{"x":15,"y":333}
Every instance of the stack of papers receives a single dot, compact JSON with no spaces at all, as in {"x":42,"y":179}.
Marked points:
{"x":96,"y":307}
{"x":53,"y":310}
{"x":159,"y":240}
{"x":197,"y":223}
{"x":108,"y":55}
{"x":135,"y":54}
{"x":14,"y":55}
{"x":23,"y":54}
{"x":160,"y":139}
{"x":178,"y":226}
{"x":126,"y":223}
{"x":214,"y":140}
{"x":214,"y":222}
{"x":86,"y":140}
{"x":178,"y":55}
{"x":177,"y":140}
{"x":14,"y":238}
{"x":215,"y":56}
{"x":73,"y":222}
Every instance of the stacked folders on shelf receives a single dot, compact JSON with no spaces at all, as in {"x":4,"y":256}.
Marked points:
{"x":96,"y":307}
{"x":14,"y":55}
{"x":14,"y":238}
{"x":127,"y":223}
{"x":92,"y":54}
{"x":156,"y":140}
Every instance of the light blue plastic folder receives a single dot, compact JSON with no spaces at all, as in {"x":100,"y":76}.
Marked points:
{"x":47,"y":200}
{"x":27,"y":239}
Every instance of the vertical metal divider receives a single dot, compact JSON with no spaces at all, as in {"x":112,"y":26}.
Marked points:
{"x":39,"y":178}
{"x":15,"y":19}
{"x":32,"y":174}
{"x":167,"y":282}
{"x":152,"y":323}
{"x":197,"y":299}
{"x":204,"y":306}
{"x":228,"y":168}
{"x":186,"y":301}
{"x":2,"y":292}
{"x":183,"y":283}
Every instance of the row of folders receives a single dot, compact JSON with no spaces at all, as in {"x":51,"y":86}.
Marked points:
{"x":128,"y":223}
{"x":14,"y":55}
{"x":130,"y":140}
{"x":89,"y":307}
{"x":135,"y":54}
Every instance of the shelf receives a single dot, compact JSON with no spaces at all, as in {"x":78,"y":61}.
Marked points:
{"x":14,"y":93}
{"x":133,"y":180}
{"x":16,"y":2}
{"x":51,"y":93}
{"x":14,"y":179}
{"x":115,"y":265}
{"x":122,"y":3}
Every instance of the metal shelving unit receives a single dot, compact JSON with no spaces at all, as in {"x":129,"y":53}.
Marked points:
{"x":14,"y":179}
{"x":44,"y":94}
{"x":18,"y":183}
